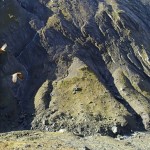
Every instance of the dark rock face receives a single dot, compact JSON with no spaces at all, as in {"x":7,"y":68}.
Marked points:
{"x":98,"y":46}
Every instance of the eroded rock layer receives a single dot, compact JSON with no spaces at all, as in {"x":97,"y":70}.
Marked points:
{"x":85,"y":62}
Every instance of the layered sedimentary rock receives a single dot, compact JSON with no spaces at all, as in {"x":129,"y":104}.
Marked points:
{"x":86,"y":63}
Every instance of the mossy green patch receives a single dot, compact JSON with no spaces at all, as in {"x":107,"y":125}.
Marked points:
{"x":53,"y":21}
{"x":89,"y":98}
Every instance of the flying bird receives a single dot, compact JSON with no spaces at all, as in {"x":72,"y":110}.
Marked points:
{"x":17,"y":75}
{"x":2,"y":49}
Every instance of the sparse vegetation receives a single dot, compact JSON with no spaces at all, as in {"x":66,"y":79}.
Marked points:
{"x":94,"y":57}
{"x":93,"y":99}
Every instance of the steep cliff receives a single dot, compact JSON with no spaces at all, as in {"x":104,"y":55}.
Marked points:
{"x":85,"y":62}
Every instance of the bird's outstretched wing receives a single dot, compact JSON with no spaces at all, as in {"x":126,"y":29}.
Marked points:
{"x":17,"y":75}
{"x":4,"y":47}
{"x":14,"y":78}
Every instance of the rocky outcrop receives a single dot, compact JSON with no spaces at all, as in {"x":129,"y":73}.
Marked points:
{"x":67,"y":141}
{"x":86,"y":63}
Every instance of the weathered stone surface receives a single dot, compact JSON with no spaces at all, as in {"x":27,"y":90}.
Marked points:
{"x":99,"y":47}
{"x":29,"y":140}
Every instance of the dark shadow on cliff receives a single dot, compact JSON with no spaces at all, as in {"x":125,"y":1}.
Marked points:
{"x":94,"y":60}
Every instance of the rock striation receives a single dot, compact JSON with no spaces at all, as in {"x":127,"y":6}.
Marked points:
{"x":86,"y":65}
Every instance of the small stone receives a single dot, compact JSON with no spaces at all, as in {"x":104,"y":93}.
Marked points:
{"x":119,"y":137}
{"x":51,"y":94}
{"x":84,"y":148}
{"x":62,"y":130}
{"x":45,"y":122}
{"x":74,"y":92}
{"x":27,"y":146}
{"x":114,"y":129}
{"x":77,"y":89}
{"x":38,"y":146}
{"x":47,"y":128}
